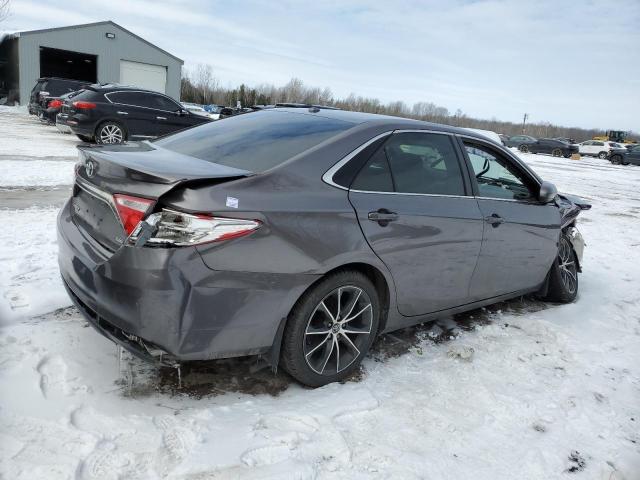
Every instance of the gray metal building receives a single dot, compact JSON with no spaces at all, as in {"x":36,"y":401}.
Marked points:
{"x":102,"y":52}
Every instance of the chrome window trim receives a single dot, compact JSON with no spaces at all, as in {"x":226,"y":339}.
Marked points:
{"x":413,"y":194}
{"x":328,"y":175}
{"x":106,"y":95}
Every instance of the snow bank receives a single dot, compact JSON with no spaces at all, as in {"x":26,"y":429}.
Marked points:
{"x":25,"y":135}
{"x":29,"y":278}
{"x":35,"y":173}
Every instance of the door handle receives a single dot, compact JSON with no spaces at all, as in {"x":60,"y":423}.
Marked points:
{"x":161,"y":118}
{"x":382,"y":216}
{"x":122,"y":113}
{"x":494,"y":220}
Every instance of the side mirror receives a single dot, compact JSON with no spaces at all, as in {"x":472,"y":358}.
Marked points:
{"x":548,"y":192}
{"x":182,"y":113}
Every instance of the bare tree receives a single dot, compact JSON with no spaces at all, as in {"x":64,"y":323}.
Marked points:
{"x":201,"y":86}
{"x":206,"y":84}
{"x":4,"y":9}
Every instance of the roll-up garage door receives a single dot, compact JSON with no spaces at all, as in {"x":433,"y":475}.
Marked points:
{"x":143,"y":75}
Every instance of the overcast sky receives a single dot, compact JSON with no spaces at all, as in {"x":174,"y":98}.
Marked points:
{"x":575,"y":63}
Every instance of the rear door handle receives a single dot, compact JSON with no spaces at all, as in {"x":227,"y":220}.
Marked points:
{"x":494,"y":220}
{"x":382,"y":216}
{"x":122,"y":113}
{"x":161,"y":118}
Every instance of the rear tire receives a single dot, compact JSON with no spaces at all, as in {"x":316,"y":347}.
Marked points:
{"x":602,"y":155}
{"x":109,"y":133}
{"x":523,"y":148}
{"x":616,"y":159}
{"x":563,"y":276}
{"x":330,"y":329}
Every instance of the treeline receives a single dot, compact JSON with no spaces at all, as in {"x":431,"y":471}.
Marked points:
{"x":200,"y":86}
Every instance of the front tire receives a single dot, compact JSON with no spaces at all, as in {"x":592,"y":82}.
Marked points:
{"x":330,"y":329}
{"x":109,"y":133}
{"x":523,"y":148}
{"x":556,"y":152}
{"x":563,"y":276}
{"x":616,"y":159}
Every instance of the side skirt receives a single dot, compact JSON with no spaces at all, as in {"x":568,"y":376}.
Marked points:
{"x":403,"y":322}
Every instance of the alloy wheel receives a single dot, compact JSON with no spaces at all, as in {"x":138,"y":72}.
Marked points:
{"x":556,"y":152}
{"x":602,"y":155}
{"x":523,"y":148}
{"x":338,"y":330}
{"x":568,"y":268}
{"x":111,"y":133}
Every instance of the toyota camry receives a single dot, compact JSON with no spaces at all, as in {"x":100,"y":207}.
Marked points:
{"x":300,"y":234}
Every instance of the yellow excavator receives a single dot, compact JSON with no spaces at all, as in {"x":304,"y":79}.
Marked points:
{"x":617,"y":136}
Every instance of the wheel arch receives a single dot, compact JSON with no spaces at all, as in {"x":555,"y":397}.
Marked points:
{"x":118,"y":121}
{"x":373,"y":273}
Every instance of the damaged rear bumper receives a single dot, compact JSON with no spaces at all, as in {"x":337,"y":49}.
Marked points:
{"x":161,"y":302}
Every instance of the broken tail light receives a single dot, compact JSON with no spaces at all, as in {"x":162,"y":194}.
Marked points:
{"x":131,"y":210}
{"x":171,"y":228}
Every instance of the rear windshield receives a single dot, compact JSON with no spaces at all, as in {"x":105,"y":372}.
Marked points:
{"x":254,"y":141}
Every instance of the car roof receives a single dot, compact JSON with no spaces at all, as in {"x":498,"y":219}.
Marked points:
{"x":112,"y":87}
{"x":48,"y":79}
{"x":394,"y":123}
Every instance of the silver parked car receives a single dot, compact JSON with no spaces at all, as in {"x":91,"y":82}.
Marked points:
{"x":302,"y":233}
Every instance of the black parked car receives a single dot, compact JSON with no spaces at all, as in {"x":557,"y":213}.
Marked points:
{"x":51,"y":106}
{"x":114,"y":113}
{"x":50,"y":87}
{"x":625,"y":156}
{"x":550,"y":146}
{"x":303,"y":233}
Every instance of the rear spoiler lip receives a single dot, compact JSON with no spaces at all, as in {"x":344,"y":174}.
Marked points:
{"x":198,"y":173}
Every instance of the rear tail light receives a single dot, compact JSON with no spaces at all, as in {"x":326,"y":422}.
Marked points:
{"x":55,"y":104}
{"x":131,"y":210}
{"x":170,"y":228}
{"x":84,"y":105}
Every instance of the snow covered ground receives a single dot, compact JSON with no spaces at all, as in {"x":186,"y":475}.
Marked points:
{"x":523,"y":390}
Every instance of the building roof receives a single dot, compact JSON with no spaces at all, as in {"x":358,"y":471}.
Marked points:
{"x":106,"y":22}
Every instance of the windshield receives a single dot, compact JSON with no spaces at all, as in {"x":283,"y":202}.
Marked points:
{"x":255,"y":141}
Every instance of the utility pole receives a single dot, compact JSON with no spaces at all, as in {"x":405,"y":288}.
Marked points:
{"x":524,"y":120}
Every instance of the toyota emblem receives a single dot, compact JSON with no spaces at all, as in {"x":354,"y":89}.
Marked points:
{"x":90,"y":168}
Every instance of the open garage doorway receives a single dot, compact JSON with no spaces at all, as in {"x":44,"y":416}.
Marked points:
{"x":68,"y":64}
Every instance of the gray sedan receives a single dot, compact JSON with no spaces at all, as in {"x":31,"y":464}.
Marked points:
{"x":302,"y":233}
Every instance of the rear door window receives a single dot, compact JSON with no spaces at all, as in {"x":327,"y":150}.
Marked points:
{"x":424,"y":163}
{"x":256,"y":141}
{"x":160,"y":102}
{"x":135,"y":99}
{"x":375,"y":176}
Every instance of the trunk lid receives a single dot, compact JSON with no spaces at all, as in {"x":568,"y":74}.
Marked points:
{"x":137,"y":169}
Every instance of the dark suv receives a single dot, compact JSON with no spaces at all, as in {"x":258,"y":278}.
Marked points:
{"x":550,"y":146}
{"x":50,"y":87}
{"x":115,"y":113}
